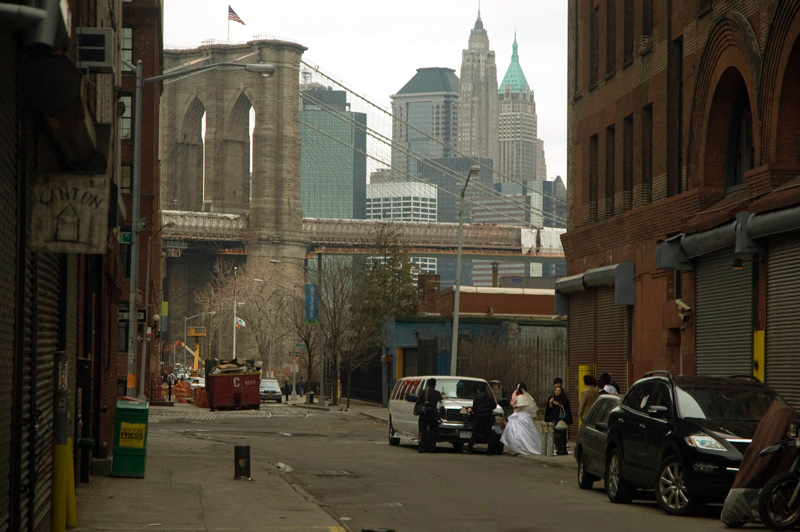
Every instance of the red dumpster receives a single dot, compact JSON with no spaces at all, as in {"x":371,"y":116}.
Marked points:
{"x":233,"y":390}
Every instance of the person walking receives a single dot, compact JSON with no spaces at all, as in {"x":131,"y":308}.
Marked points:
{"x":171,"y":378}
{"x":301,"y":387}
{"x":429,"y":420}
{"x":521,"y":435}
{"x":483,"y":405}
{"x":558,"y":409}
{"x":287,"y":390}
{"x":588,"y":396}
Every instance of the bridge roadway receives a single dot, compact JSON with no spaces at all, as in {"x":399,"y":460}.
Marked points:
{"x":336,"y":236}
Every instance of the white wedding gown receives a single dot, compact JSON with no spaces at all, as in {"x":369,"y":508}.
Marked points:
{"x":521,"y":435}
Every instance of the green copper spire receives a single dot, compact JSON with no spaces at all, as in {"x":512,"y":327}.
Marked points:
{"x":514,"y":75}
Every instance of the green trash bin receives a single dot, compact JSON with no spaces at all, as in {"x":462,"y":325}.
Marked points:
{"x":130,"y":439}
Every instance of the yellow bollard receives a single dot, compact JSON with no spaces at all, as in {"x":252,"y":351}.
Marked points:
{"x":72,"y":507}
{"x":61,"y":462}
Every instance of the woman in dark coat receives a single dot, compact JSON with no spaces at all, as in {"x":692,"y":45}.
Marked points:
{"x":556,"y":404}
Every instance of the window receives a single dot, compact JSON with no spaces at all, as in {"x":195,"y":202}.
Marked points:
{"x":576,"y":54}
{"x":675,"y":117}
{"x":627,"y":34}
{"x":122,"y":332}
{"x":647,"y":145}
{"x":610,"y":165}
{"x":594,"y":36}
{"x":125,"y":177}
{"x":741,"y":148}
{"x":126,"y":133}
{"x":627,"y":157}
{"x":127,"y":47}
{"x":125,"y":258}
{"x":593,"y":162}
{"x":647,"y":19}
{"x":611,"y":36}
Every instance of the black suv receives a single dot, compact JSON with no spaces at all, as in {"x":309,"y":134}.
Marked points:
{"x":683,"y":437}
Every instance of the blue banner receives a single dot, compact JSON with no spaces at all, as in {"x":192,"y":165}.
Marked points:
{"x":312,"y":303}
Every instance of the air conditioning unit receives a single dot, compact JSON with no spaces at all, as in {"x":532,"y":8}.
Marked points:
{"x":95,"y":50}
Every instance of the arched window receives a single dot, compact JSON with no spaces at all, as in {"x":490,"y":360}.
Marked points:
{"x":740,"y":145}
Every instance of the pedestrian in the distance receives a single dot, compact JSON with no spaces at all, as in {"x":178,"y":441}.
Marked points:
{"x":301,"y":387}
{"x":483,"y":405}
{"x":558,"y":409}
{"x":171,"y":378}
{"x":287,"y":390}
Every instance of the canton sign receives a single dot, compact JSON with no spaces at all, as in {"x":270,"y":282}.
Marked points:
{"x":70,"y":213}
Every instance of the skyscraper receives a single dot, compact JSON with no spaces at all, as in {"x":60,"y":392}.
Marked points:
{"x":521,"y":151}
{"x":478,"y":114}
{"x":424,"y":123}
{"x":333,"y":164}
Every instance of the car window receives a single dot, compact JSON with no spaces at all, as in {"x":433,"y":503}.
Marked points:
{"x":638,"y":395}
{"x":734,"y":402}
{"x":459,"y":389}
{"x":594,"y":413}
{"x":660,"y":396}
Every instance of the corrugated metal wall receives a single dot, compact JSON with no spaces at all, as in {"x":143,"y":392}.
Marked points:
{"x":8,"y":259}
{"x":724,"y":316}
{"x":783,"y":318}
{"x":613,"y":338}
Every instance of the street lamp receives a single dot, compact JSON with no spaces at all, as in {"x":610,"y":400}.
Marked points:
{"x":266,"y":70}
{"x":454,"y":350}
{"x":146,"y":303}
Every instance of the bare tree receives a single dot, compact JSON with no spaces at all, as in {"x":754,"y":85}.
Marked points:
{"x":359,"y":294}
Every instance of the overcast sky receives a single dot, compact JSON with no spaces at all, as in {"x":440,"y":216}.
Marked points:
{"x":375,"y":46}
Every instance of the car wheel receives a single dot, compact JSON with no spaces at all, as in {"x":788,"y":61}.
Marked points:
{"x":279,"y":401}
{"x":617,"y":488}
{"x":585,"y":480}
{"x":672,"y":493}
{"x":458,"y":445}
{"x":393,"y":440}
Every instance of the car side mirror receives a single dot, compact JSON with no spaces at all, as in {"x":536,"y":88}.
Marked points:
{"x":658,"y":411}
{"x":412,"y":398}
{"x":602,"y":426}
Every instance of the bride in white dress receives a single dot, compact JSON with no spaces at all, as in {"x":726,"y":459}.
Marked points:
{"x":521,"y":435}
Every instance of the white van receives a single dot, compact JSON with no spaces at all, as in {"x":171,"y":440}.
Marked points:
{"x":457,"y":392}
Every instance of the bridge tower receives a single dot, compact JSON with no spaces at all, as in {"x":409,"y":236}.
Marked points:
{"x":206,"y":158}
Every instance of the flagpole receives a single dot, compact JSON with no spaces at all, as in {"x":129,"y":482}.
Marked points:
{"x":235,"y":286}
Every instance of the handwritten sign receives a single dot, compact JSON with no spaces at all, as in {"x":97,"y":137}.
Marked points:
{"x":70,"y":213}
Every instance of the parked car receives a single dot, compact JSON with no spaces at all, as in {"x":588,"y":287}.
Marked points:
{"x":683,"y":437}
{"x":270,"y":390}
{"x":590,"y":447}
{"x":457,"y":393}
{"x":197,"y":382}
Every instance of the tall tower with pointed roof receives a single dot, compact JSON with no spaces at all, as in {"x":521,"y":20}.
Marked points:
{"x":521,"y":151}
{"x":478,"y":119}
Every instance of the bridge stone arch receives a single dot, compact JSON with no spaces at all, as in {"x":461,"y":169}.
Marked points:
{"x":212,"y":174}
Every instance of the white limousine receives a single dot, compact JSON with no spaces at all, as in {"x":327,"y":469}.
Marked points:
{"x":457,"y":392}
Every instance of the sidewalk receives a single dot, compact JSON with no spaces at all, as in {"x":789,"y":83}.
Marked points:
{"x":203,"y":495}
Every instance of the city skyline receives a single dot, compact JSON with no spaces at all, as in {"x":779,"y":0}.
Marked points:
{"x":419,"y":36}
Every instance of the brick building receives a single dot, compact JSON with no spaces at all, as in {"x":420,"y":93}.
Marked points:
{"x":683,"y":234}
{"x":63,"y":129}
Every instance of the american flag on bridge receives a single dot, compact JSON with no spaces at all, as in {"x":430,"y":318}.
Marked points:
{"x":233,"y":16}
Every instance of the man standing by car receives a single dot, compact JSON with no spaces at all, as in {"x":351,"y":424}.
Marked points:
{"x":170,"y":383}
{"x":588,"y":396}
{"x":483,"y":406}
{"x":429,"y":418}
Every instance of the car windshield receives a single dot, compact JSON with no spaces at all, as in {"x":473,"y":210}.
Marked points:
{"x":711,"y":402}
{"x":460,"y":389}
